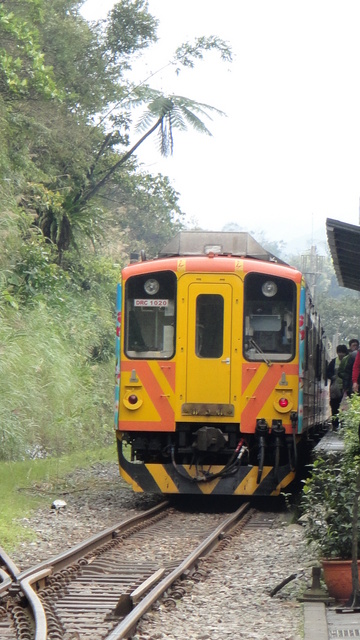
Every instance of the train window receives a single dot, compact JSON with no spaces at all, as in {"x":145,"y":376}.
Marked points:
{"x":209,"y":325}
{"x":150,"y":315}
{"x":269,"y":317}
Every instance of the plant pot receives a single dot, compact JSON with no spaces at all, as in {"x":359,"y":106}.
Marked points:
{"x":337,"y":576}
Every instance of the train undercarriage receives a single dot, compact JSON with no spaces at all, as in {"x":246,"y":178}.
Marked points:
{"x":210,"y":459}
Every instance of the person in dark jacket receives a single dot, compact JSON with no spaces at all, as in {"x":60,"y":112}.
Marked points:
{"x":353,"y":349}
{"x":335,"y":372}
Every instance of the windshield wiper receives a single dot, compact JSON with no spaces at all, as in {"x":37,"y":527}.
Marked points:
{"x":257,"y":348}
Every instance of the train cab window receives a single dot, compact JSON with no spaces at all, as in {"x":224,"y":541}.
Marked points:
{"x":269,"y":318}
{"x":149,"y":322}
{"x":209,"y":326}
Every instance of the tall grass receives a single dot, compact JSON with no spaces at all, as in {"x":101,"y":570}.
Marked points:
{"x":55,"y":397}
{"x":57,"y":342}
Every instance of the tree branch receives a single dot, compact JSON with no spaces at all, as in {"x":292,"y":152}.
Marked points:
{"x":90,"y":194}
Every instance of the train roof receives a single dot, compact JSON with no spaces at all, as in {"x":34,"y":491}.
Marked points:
{"x":222,"y":243}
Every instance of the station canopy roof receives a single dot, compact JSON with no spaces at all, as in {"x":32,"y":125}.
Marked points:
{"x":344,"y":243}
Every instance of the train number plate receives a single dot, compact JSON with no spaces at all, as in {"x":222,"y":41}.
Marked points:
{"x":150,"y":303}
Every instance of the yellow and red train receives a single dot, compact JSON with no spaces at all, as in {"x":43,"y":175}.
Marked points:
{"x":220,"y":371}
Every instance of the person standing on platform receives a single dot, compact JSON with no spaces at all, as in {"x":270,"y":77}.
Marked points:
{"x":356,"y":373}
{"x":353,"y":350}
{"x":335,"y":372}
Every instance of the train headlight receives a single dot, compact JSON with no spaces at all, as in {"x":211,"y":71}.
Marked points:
{"x":269,"y":288}
{"x":283,"y":402}
{"x":151,"y":286}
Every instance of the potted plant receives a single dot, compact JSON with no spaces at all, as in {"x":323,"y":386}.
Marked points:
{"x":330,"y":505}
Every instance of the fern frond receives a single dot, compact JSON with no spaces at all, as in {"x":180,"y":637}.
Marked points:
{"x":195,"y":122}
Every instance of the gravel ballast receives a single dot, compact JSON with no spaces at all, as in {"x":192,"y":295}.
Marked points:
{"x":232,"y":601}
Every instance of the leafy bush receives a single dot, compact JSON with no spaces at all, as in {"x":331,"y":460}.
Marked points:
{"x":327,"y":503}
{"x":331,"y":492}
{"x":36,"y":273}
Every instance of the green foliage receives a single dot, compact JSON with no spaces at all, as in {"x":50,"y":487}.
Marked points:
{"x":95,"y":278}
{"x":338,"y":307}
{"x":174,"y":112}
{"x":36,"y":276}
{"x":79,"y":60}
{"x":340,"y":316}
{"x":327,"y":503}
{"x":12,"y":225}
{"x":55,"y":398}
{"x":73,"y":200}
{"x":22,"y":63}
{"x":150,"y":203}
{"x":350,"y":420}
{"x":331,"y":491}
{"x":62,"y":153}
{"x":131,"y":29}
{"x":187,"y":53}
{"x":57,"y":348}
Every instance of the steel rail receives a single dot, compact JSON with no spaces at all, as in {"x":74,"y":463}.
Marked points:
{"x":78,"y":551}
{"x":127,"y":625}
{"x":36,"y":606}
{"x":26,"y":579}
{"x":5,"y":581}
{"x":9,"y":564}
{"x":8,"y":576}
{"x":35,"y":602}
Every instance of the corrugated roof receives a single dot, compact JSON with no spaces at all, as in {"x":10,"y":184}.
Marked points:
{"x":344,"y":243}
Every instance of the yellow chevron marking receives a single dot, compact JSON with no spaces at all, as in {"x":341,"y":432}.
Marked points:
{"x":205,"y":487}
{"x":130,"y":480}
{"x":252,"y":386}
{"x":208,"y":487}
{"x":284,"y":483}
{"x":162,"y":479}
{"x":249,"y":484}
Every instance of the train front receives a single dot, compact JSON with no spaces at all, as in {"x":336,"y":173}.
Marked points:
{"x":210,"y":374}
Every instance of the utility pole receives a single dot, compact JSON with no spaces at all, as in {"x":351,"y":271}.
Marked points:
{"x":312,"y":266}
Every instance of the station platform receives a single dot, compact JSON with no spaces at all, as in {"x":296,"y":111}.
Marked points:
{"x":331,"y":442}
{"x":324,"y":623}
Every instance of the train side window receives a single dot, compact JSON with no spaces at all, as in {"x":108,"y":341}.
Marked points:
{"x":269,"y":317}
{"x":209,"y":334}
{"x":149,"y":322}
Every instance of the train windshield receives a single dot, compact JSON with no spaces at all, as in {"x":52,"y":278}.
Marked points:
{"x":269,"y":318}
{"x":150,"y":315}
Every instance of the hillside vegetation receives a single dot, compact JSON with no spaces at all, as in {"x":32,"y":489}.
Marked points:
{"x":73,"y":203}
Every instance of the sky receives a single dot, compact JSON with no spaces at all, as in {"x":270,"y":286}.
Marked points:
{"x":287,"y":154}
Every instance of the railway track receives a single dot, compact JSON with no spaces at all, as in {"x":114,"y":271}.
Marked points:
{"x":102,"y":587}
